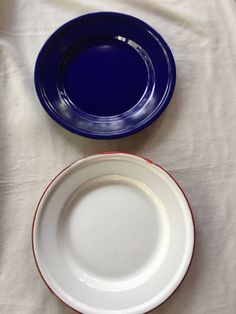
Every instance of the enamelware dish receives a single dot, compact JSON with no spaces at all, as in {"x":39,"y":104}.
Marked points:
{"x":105,"y":75}
{"x":113,"y":233}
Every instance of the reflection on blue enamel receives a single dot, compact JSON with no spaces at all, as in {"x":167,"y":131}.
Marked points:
{"x":105,"y":75}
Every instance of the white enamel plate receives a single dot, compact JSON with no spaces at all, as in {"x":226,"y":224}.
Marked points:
{"x":113,"y":233}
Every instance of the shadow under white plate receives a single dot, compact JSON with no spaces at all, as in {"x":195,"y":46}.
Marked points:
{"x":113,"y":233}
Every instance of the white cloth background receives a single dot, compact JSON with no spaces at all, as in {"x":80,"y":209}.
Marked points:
{"x":194,"y":140}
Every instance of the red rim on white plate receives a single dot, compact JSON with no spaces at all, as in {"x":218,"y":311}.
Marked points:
{"x":113,"y":233}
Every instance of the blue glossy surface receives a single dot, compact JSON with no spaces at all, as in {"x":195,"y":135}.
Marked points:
{"x":105,"y":75}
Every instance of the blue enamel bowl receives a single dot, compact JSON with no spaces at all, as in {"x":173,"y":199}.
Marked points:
{"x":105,"y":75}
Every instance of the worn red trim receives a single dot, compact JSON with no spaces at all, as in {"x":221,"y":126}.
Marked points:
{"x":112,"y":152}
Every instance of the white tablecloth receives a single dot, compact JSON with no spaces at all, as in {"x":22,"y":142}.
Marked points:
{"x":194,"y":140}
